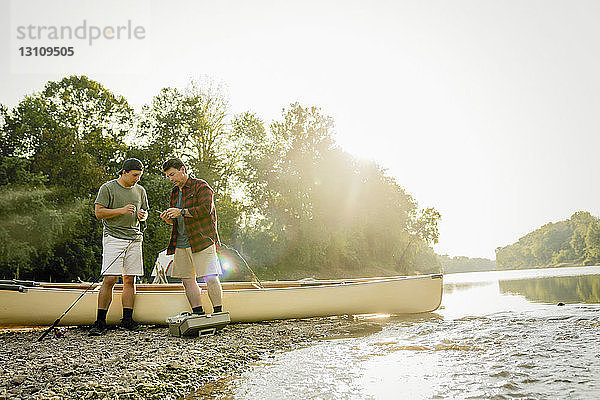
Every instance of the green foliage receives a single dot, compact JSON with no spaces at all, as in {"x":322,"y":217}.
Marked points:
{"x":575,"y":241}
{"x":592,"y":242}
{"x":77,"y":255}
{"x":425,"y":261}
{"x":35,"y":222}
{"x":15,"y":170}
{"x":9,"y":141}
{"x":465,"y":264}
{"x":228,"y":216}
{"x":192,"y":125}
{"x":319,"y":211}
{"x":72,"y":132}
{"x":287,"y":197}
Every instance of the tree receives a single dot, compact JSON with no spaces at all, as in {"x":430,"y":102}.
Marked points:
{"x":592,"y":241}
{"x":15,"y":170}
{"x":73,"y":131}
{"x":580,"y":223}
{"x":281,"y":167}
{"x":422,"y":228}
{"x":286,"y":195}
{"x":192,"y":125}
{"x":9,"y":141}
{"x":320,"y":211}
{"x":34,"y":222}
{"x":573,"y":241}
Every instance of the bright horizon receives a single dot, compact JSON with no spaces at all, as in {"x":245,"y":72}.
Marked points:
{"x":485,"y":110}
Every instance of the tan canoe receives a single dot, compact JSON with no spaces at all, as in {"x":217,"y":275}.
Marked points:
{"x":23,"y":305}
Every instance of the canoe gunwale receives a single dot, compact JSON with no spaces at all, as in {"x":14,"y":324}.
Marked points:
{"x":13,"y":287}
{"x":283,"y":285}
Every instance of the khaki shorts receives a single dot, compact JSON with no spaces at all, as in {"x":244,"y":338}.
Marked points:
{"x":121,"y":257}
{"x":190,"y":265}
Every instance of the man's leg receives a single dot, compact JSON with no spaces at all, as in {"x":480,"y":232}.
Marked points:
{"x":133,"y":266}
{"x":215,"y":292}
{"x":192,"y":291}
{"x":104,"y":300}
{"x":128,"y":296}
{"x":127,"y":300}
{"x":105,"y":292}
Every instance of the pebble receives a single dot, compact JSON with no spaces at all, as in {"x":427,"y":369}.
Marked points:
{"x":151,"y":365}
{"x":17,"y":380}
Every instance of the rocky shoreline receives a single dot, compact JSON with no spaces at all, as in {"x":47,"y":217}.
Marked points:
{"x":149,"y":364}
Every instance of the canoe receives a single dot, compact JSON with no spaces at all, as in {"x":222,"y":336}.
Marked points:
{"x":39,"y":304}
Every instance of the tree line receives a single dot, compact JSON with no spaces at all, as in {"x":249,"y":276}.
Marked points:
{"x":458,"y":264}
{"x":575,"y":241}
{"x":288,"y":198}
{"x":566,"y":289}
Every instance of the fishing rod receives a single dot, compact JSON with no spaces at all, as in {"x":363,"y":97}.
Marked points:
{"x":245,"y":263}
{"x":55,"y":323}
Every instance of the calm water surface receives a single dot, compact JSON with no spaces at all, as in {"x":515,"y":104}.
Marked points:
{"x":497,"y":335}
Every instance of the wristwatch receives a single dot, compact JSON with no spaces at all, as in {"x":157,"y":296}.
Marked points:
{"x":182,"y":212}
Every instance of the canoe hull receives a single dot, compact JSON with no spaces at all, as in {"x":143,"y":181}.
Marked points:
{"x":39,"y":306}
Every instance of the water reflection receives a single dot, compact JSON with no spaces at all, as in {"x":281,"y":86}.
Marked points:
{"x":458,"y":286}
{"x":495,"y":336}
{"x":571,"y":289}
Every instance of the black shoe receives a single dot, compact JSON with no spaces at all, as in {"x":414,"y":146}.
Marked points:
{"x":98,"y":329}
{"x":129,"y":325}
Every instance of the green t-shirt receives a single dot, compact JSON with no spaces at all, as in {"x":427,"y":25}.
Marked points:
{"x":112,"y":195}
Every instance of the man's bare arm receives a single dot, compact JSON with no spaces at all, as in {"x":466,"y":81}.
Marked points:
{"x":102,"y":212}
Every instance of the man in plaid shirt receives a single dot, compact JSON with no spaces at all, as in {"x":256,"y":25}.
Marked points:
{"x":194,"y":235}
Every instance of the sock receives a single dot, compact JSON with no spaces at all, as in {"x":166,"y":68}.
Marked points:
{"x":218,"y":309}
{"x":127,"y":314}
{"x":198,"y":310}
{"x":102,"y":315}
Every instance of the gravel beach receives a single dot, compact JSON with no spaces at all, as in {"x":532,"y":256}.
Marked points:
{"x":149,"y":364}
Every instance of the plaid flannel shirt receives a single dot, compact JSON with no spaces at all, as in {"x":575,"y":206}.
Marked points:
{"x":201,"y":227}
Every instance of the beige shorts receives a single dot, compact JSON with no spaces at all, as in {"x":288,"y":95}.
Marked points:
{"x":190,"y":265}
{"x":121,"y":257}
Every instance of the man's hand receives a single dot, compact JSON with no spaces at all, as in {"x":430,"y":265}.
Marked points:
{"x":165,"y":217}
{"x":128,"y":209}
{"x":173,"y":212}
{"x":142,"y":215}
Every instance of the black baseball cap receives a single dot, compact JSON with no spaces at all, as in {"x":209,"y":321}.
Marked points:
{"x":132,"y":163}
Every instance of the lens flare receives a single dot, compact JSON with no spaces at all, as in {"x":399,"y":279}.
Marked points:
{"x":228,"y":265}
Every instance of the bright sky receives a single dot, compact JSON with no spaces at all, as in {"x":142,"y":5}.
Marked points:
{"x":487,"y":110}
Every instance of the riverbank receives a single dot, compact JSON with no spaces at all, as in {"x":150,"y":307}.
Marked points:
{"x":149,"y":364}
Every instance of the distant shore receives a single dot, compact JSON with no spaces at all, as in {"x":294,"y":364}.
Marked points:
{"x":518,"y":268}
{"x":149,"y":364}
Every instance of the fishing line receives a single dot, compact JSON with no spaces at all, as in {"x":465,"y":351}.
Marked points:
{"x":245,"y":263}
{"x":55,"y":323}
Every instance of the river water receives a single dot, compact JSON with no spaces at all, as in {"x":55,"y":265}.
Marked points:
{"x":497,"y":335}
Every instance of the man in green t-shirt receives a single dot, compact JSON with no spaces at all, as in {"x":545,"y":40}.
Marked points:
{"x":121,"y":204}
